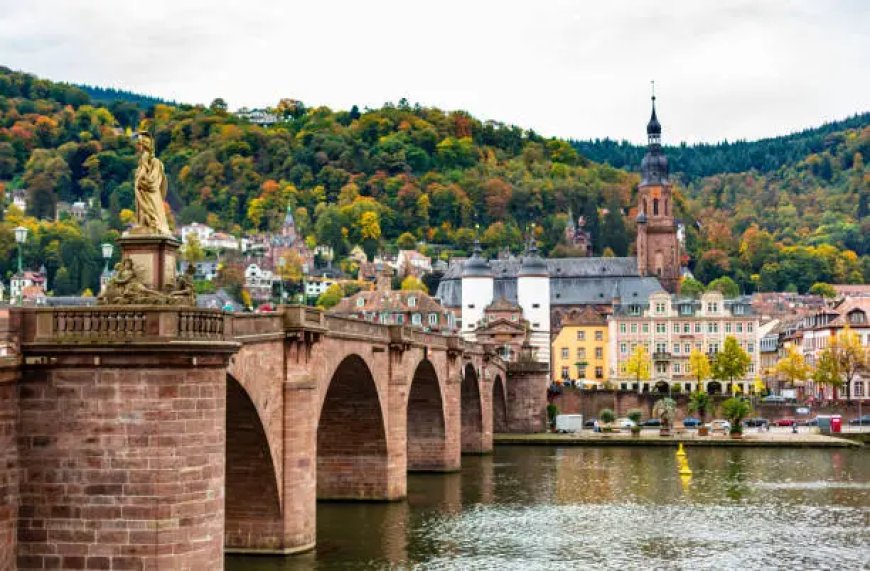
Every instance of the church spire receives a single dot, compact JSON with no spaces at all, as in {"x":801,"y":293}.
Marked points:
{"x":654,"y":128}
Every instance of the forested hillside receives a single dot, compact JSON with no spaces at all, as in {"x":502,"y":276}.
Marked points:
{"x":370,"y":177}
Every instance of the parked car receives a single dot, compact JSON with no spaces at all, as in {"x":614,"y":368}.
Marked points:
{"x":589,"y":423}
{"x":652,"y":422}
{"x":810,"y":422}
{"x":691,"y":422}
{"x":774,"y":399}
{"x":720,"y":424}
{"x":756,"y":422}
{"x":861,"y":421}
{"x":784,"y":421}
{"x":624,"y":423}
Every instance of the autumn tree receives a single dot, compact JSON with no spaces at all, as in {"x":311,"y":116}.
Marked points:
{"x":638,"y":365}
{"x":699,"y":364}
{"x":330,"y":297}
{"x":192,"y":251}
{"x":732,"y":362}
{"x":849,"y":355}
{"x":793,"y":367}
{"x":412,"y":283}
{"x":823,"y":289}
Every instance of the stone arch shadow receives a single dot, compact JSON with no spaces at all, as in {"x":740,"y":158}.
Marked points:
{"x":471,"y":412}
{"x":253,"y":503}
{"x":428,"y":439}
{"x":352,"y":455}
{"x":499,"y":405}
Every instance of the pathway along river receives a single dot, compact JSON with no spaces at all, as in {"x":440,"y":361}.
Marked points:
{"x":608,"y":508}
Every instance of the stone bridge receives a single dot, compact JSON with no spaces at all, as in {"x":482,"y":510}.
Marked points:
{"x":155,"y":437}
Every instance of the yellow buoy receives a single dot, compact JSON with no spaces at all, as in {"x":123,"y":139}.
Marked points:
{"x":680,"y":452}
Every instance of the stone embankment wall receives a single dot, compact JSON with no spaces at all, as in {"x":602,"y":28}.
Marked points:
{"x":590,"y":403}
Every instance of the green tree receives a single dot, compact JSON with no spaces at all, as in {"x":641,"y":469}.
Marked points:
{"x":731,"y":362}
{"x":735,"y":409}
{"x":614,"y":233}
{"x":700,"y":403}
{"x":726,"y":286}
{"x":690,"y":287}
{"x":823,"y":289}
{"x":406,"y":241}
{"x":192,"y":251}
{"x":330,"y":297}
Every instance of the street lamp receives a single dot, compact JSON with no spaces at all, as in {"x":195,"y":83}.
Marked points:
{"x":281,"y":263}
{"x":107,"y":255}
{"x":20,"y":238}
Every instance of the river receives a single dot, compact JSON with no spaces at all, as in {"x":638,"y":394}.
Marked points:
{"x":608,"y":508}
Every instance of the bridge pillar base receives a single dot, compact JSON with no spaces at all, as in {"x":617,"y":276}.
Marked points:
{"x":527,"y":397}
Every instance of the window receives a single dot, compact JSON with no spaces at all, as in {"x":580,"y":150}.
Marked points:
{"x":660,"y":307}
{"x":536,"y":325}
{"x":623,"y":348}
{"x":655,"y":206}
{"x":687,"y":327}
{"x":581,"y":353}
{"x":599,"y":353}
{"x":360,"y":302}
{"x":859,"y":388}
{"x":470,"y":306}
{"x":676,"y":348}
{"x":564,"y":352}
{"x":676,"y":327}
{"x":415,"y":319}
{"x":412,"y":301}
{"x":514,"y":317}
{"x":661,"y":367}
{"x":676,"y":368}
{"x":698,"y":346}
{"x":712,"y":328}
{"x":728,"y":327}
{"x":564,"y":372}
{"x":599,"y":372}
{"x":646,"y":327}
{"x":433,"y":319}
{"x":713,"y":348}
{"x":697,"y":327}
{"x":622,"y":328}
{"x":750,"y":347}
{"x":400,"y":318}
{"x":687,"y":348}
{"x":751,"y":368}
{"x":581,"y":336}
{"x":661,"y":328}
{"x":536,"y":305}
{"x":738,"y":327}
{"x":712,"y":307}
{"x":599,"y":335}
{"x":749,"y":328}
{"x":634,"y":327}
{"x":661,"y":347}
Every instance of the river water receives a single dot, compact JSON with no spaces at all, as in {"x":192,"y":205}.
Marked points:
{"x":608,"y":508}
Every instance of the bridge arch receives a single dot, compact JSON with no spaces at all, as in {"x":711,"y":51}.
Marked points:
{"x":253,"y":503}
{"x":472,"y":434}
{"x":427,"y":431}
{"x":352,"y":458}
{"x":499,"y":405}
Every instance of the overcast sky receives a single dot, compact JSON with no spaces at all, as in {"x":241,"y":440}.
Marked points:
{"x":581,"y":69}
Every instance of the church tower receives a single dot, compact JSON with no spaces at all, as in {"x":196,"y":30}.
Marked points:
{"x":658,"y":250}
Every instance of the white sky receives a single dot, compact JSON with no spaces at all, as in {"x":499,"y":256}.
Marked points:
{"x":723,"y":69}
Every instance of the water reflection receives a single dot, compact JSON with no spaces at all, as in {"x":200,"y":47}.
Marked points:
{"x":611,"y":507}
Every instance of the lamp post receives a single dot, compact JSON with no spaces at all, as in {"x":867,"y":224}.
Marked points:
{"x":20,"y":239}
{"x":107,"y":255}
{"x":281,"y":263}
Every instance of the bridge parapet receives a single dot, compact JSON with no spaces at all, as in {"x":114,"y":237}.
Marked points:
{"x":120,"y":324}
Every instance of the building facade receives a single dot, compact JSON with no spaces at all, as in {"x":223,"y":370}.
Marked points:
{"x":670,"y":328}
{"x":580,"y":349}
{"x":503,"y":328}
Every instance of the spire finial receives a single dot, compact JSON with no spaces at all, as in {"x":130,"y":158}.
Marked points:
{"x":653,"y":85}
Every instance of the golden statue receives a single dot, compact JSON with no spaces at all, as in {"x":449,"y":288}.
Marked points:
{"x":150,"y":188}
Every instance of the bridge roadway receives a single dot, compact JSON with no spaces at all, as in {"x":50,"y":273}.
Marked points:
{"x":155,"y":437}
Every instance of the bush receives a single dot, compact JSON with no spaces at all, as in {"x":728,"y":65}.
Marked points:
{"x":735,"y":410}
{"x":606,"y":416}
{"x":635,"y":415}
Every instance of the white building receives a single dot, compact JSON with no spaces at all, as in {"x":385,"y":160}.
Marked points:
{"x":477,"y":292}
{"x":259,"y":281}
{"x":221,"y":241}
{"x":25,"y":282}
{"x":533,"y":296}
{"x":412,"y":262}
{"x":315,"y":287}
{"x":201,"y":231}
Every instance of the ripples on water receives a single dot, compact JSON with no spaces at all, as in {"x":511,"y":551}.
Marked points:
{"x":609,"y":508}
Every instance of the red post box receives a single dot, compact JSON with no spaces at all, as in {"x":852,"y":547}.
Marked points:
{"x":836,"y":423}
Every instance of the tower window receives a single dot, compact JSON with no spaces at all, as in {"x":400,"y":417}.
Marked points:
{"x":655,"y":206}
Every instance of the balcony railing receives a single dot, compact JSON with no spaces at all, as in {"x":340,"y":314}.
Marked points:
{"x":662,"y":356}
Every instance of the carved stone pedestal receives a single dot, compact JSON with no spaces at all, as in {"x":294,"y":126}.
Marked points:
{"x":154,"y":257}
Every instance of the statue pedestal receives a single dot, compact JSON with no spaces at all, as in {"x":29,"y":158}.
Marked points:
{"x":154,"y":256}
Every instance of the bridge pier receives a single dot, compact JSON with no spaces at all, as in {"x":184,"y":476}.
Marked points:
{"x":121,"y":439}
{"x":8,"y":461}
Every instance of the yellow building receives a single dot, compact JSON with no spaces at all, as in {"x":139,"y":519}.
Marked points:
{"x":579,"y":351}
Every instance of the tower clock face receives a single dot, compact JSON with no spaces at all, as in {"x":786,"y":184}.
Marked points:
{"x":656,"y":192}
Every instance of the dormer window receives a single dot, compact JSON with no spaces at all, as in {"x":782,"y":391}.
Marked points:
{"x":412,"y":301}
{"x":360,"y":302}
{"x":634,"y":309}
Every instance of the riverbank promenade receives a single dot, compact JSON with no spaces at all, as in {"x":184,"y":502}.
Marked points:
{"x":689,"y":438}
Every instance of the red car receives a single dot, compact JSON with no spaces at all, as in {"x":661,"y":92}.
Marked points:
{"x":787,"y":421}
